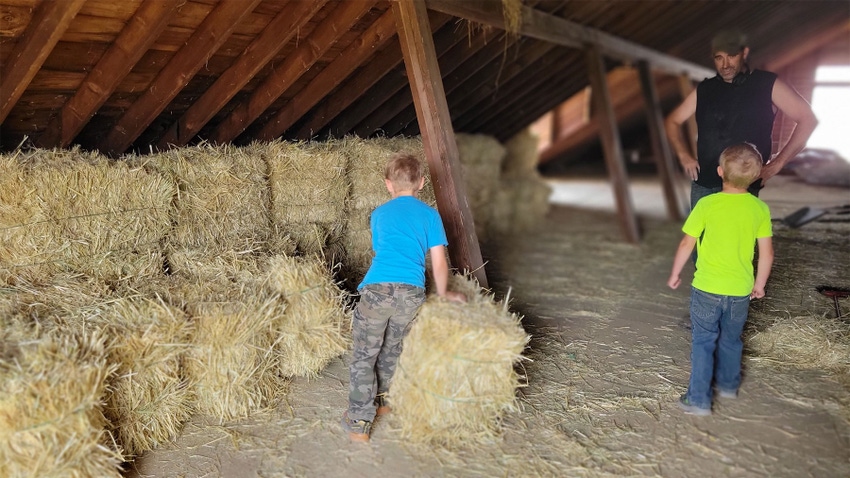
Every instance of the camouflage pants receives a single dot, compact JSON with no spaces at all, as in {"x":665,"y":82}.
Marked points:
{"x":382,"y":319}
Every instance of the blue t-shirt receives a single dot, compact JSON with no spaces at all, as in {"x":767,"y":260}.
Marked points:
{"x":403,"y":230}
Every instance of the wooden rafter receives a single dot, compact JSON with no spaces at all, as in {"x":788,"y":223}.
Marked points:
{"x":207,"y":38}
{"x":611,"y":145}
{"x":543,"y":26}
{"x":339,"y":21}
{"x":660,"y":146}
{"x":136,"y":37}
{"x":437,"y":135}
{"x":44,"y":31}
{"x":275,"y":36}
{"x":330,"y":77}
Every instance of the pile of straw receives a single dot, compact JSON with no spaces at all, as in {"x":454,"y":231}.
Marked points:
{"x":51,"y":421}
{"x":148,"y":399}
{"x":77,"y":212}
{"x":314,"y":328}
{"x":309,"y":190}
{"x":456,"y":375}
{"x":231,"y":361}
{"x":805,"y":341}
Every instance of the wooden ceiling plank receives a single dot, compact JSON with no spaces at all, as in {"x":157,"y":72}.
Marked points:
{"x":47,"y":26}
{"x":389,"y":88}
{"x":141,"y":32}
{"x":470,"y":105}
{"x":374,"y":38}
{"x":611,"y":144}
{"x":390,"y":118}
{"x":207,"y":38}
{"x":339,"y":21}
{"x":667,"y":171}
{"x":441,"y":150}
{"x":370,"y":74}
{"x":263,"y":49}
{"x":543,"y":26}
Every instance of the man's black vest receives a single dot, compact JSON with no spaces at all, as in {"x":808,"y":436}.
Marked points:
{"x":732,"y":113}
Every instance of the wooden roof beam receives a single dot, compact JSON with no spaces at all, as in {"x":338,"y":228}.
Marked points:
{"x":47,"y":26}
{"x":135,"y":39}
{"x":265,"y":46}
{"x":382,"y":30}
{"x":208,"y":37}
{"x":338,"y":22}
{"x":438,"y":138}
{"x":543,"y":26}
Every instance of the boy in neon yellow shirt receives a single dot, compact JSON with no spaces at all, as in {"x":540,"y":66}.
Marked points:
{"x":723,"y":226}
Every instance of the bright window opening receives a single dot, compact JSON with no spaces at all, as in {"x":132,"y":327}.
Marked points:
{"x":831,"y":102}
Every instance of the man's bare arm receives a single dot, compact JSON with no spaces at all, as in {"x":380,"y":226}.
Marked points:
{"x":795,"y":107}
{"x":673,"y":127}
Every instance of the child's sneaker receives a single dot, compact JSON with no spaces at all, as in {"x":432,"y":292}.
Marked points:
{"x":731,"y":394}
{"x":358,"y":430}
{"x":381,"y":405}
{"x":685,"y":405}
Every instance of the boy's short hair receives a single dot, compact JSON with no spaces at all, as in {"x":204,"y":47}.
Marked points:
{"x":404,"y":171}
{"x":741,"y":164}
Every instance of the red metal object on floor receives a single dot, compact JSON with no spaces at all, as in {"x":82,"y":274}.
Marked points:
{"x":836,"y":293}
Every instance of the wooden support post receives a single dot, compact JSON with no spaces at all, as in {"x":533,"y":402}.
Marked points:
{"x":438,"y":137}
{"x":611,"y":145}
{"x":685,"y":87}
{"x":660,"y":147}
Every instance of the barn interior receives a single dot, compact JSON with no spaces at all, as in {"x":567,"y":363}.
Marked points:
{"x":177,"y":173}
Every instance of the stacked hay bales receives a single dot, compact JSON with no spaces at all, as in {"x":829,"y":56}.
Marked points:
{"x":314,"y":328}
{"x":481,"y":159}
{"x":148,"y":399}
{"x":309,"y":189}
{"x":221,"y":205}
{"x":456,"y":375}
{"x":51,"y":420}
{"x":522,"y":199}
{"x":71,"y":211}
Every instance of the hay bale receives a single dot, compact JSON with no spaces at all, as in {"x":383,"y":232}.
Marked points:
{"x":231,"y":362}
{"x":519,"y":205}
{"x":148,"y":399}
{"x":522,"y":156}
{"x":222,"y":201}
{"x":481,"y":159}
{"x":51,"y":420}
{"x":314,"y":328}
{"x":79,"y":212}
{"x":456,"y":374}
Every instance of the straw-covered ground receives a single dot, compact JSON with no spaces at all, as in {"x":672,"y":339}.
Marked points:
{"x":608,"y":357}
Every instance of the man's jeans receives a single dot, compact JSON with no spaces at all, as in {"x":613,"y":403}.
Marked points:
{"x":717,"y":322}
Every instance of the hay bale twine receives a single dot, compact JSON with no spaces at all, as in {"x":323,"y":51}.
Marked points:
{"x":456,"y":375}
{"x":51,"y":419}
{"x":314,"y":328}
{"x":149,"y":399}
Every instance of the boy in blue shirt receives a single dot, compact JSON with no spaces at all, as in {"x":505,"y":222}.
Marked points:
{"x":724,"y":227}
{"x":404,"y":230}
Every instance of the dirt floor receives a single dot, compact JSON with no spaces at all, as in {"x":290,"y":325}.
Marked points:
{"x":608,"y":359}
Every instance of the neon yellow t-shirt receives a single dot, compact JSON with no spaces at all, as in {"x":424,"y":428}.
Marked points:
{"x":726,"y":227}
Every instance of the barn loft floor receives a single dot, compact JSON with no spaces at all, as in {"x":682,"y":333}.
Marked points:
{"x":609,"y":357}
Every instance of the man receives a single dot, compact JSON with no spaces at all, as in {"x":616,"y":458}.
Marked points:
{"x":738,"y":105}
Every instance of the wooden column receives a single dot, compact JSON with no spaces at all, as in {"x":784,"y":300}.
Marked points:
{"x":611,"y":144}
{"x":438,"y":137}
{"x":686,"y":86}
{"x":660,"y":147}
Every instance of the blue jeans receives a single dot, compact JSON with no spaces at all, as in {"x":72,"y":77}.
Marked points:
{"x":717,"y":322}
